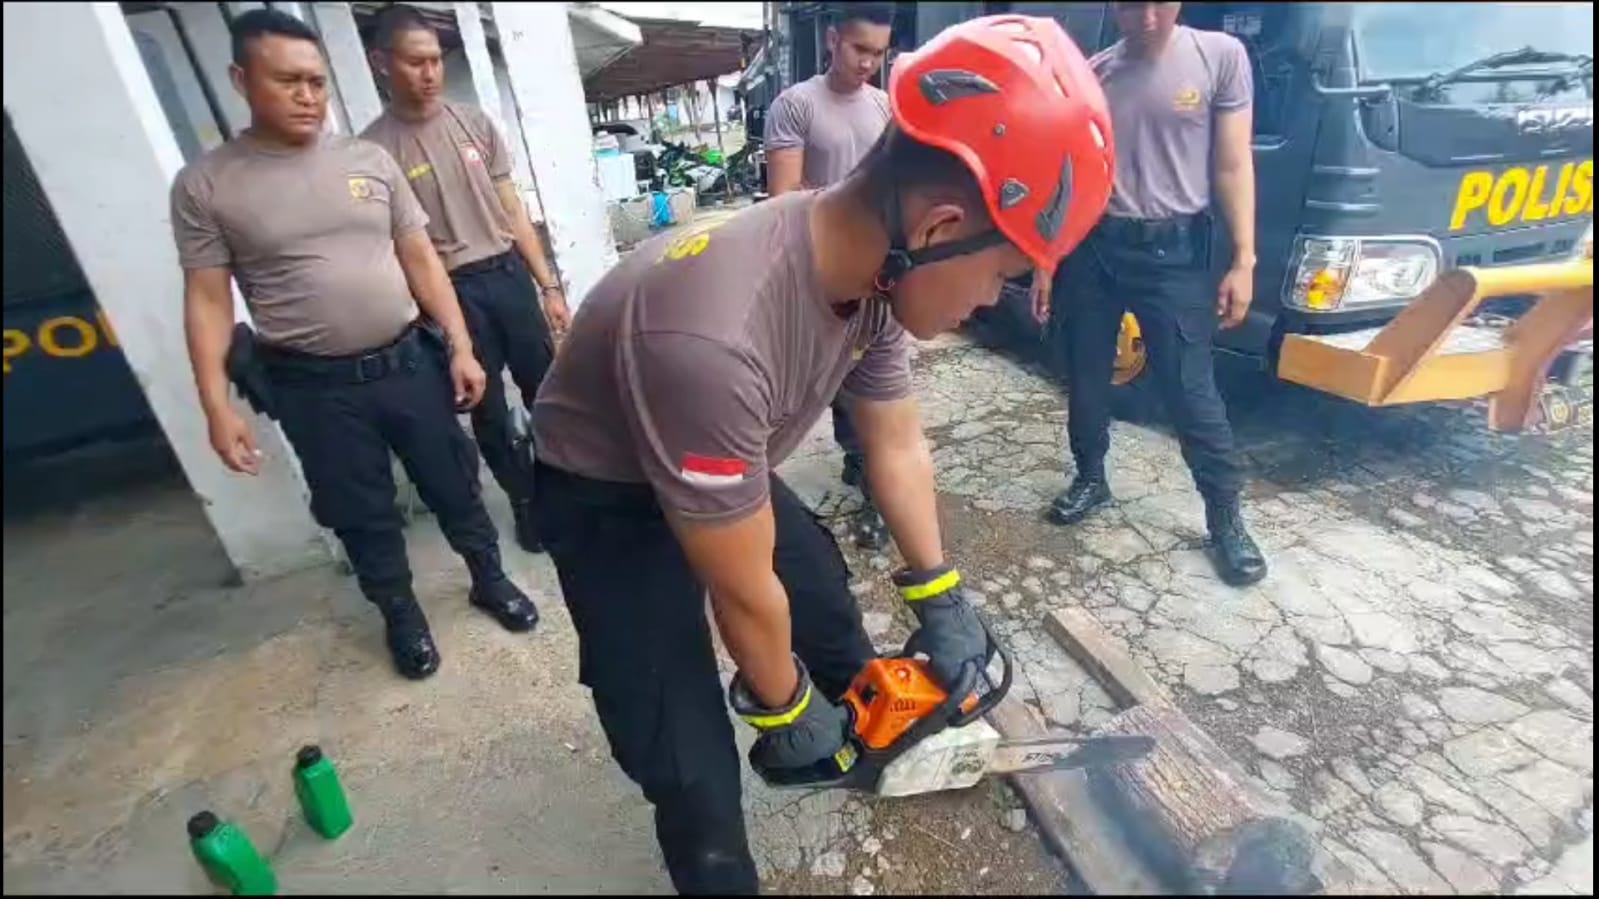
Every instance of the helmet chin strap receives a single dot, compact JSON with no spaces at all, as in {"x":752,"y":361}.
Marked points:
{"x":899,"y":260}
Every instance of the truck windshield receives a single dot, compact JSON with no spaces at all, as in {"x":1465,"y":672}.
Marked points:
{"x":1403,"y":41}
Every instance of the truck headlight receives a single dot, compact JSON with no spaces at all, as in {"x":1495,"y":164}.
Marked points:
{"x":1585,"y":246}
{"x":1346,"y":272}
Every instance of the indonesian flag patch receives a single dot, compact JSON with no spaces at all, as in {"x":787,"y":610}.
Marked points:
{"x":707,"y":471}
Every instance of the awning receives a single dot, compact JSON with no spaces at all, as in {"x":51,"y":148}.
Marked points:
{"x":600,"y":37}
{"x":673,"y":52}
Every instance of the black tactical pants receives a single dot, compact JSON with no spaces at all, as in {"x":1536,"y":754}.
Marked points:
{"x":844,"y":430}
{"x":344,"y":415}
{"x":1160,"y":273}
{"x":503,"y":313}
{"x":645,"y":652}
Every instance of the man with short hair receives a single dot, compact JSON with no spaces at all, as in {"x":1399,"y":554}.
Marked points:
{"x":703,"y":359}
{"x":1181,"y":99}
{"x":458,"y":164}
{"x":328,"y":246}
{"x":816,"y":131}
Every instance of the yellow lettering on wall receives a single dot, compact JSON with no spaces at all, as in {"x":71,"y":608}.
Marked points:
{"x":88,"y":338}
{"x":1508,"y":195}
{"x":1581,"y":199}
{"x":1474,"y":189}
{"x":17,"y":343}
{"x":1536,"y":210}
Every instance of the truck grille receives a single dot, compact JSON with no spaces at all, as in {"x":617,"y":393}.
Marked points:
{"x":1528,"y":252}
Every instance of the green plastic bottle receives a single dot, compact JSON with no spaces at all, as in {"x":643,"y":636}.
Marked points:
{"x":229,"y":858}
{"x":316,"y":784}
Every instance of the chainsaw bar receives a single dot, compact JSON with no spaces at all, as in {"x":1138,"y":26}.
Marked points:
{"x":1054,"y":753}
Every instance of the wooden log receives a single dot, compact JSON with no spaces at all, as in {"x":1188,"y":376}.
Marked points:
{"x":1071,"y":821}
{"x":1197,"y":820}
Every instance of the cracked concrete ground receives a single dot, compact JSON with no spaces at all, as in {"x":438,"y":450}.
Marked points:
{"x":138,"y":692}
{"x":1415,"y":677}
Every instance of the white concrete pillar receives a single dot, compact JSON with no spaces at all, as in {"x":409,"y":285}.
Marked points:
{"x":536,"y":41}
{"x":208,"y":35}
{"x":347,"y":58}
{"x":469,"y":23}
{"x":105,"y":156}
{"x":495,"y":99}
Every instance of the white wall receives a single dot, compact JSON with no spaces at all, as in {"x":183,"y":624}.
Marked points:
{"x":105,"y":155}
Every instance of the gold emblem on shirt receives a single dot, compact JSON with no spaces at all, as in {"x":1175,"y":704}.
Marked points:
{"x":418,"y":171}
{"x":360,"y":189}
{"x":1187,"y":100}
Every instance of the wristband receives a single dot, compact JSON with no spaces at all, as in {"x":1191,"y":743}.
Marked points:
{"x":915,"y":586}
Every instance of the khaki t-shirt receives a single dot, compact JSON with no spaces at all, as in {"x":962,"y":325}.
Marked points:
{"x":1163,"y":111}
{"x":835,"y":130}
{"x":308,"y":233}
{"x":702,"y":360}
{"x":453,"y":161}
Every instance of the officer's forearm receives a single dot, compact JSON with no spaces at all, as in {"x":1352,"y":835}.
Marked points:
{"x":1235,"y":182}
{"x":755,"y":626}
{"x":208,"y":328}
{"x":522,"y":233}
{"x":430,"y":285}
{"x":899,"y":475}
{"x":1235,"y":189}
{"x":734,"y":562}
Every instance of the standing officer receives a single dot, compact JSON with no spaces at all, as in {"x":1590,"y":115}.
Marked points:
{"x":699,"y":363}
{"x":1180,"y":99}
{"x":327,"y":243}
{"x":460,"y":168}
{"x":816,"y":131}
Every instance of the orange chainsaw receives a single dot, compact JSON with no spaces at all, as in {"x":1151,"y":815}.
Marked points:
{"x":908,"y":735}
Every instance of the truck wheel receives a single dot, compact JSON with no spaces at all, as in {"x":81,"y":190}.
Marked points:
{"x":1133,"y":395}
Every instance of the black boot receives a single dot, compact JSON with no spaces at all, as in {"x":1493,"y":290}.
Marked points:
{"x":495,"y":594}
{"x":409,"y":640}
{"x":854,"y":470}
{"x":1088,"y":491}
{"x":1238,"y":560}
{"x":527,"y":534}
{"x":868,"y":528}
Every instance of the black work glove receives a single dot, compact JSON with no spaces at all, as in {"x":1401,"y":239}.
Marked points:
{"x":807,"y":730}
{"x":951,"y":635}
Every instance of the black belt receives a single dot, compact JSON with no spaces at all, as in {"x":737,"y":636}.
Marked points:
{"x":1154,"y":231}
{"x":290,"y":367}
{"x":505,"y":260}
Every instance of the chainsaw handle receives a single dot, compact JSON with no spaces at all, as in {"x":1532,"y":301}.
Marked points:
{"x":996,"y":692}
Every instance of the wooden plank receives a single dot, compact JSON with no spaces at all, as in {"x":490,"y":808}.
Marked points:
{"x":1423,"y":326}
{"x":1536,"y":340}
{"x":1094,"y":649}
{"x":1351,"y":374}
{"x":1072,"y":823}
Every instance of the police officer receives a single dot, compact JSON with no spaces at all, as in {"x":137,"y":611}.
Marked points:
{"x":816,"y":131}
{"x":328,"y":245}
{"x":460,"y":169}
{"x":1180,"y":99}
{"x":702,"y":360}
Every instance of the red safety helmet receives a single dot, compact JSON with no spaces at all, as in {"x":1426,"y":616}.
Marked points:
{"x":1013,"y":98}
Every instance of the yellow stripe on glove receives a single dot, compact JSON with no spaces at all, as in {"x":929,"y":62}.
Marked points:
{"x":945,"y":582}
{"x":784,"y":718}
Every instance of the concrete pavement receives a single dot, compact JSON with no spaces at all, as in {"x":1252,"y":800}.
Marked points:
{"x":1415,"y":678}
{"x":1416,"y":675}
